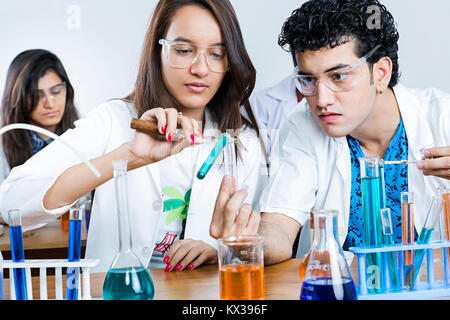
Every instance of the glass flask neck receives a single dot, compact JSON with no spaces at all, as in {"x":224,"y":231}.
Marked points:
{"x":120,"y":181}
{"x":325,"y":230}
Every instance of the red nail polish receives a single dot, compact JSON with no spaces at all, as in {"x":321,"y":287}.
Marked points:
{"x":200,"y":131}
{"x":191,"y":266}
{"x":192,"y":138}
{"x":178,"y":267}
{"x":168,"y":268}
{"x":163,"y":129}
{"x":166,"y":259}
{"x":170,"y":137}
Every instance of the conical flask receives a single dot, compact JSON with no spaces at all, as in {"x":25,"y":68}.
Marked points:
{"x":127,"y":278}
{"x":327,"y":276}
{"x":304,"y":263}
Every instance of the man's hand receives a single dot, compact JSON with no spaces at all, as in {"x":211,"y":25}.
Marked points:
{"x":231,"y":217}
{"x":436,"y":162}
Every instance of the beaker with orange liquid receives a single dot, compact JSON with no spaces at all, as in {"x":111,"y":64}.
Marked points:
{"x":241,"y":268}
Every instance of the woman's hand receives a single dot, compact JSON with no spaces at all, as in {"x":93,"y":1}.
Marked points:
{"x":436,"y":162}
{"x":148,"y":148}
{"x":190,"y":254}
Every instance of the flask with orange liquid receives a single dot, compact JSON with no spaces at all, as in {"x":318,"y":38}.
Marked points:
{"x":304,"y":263}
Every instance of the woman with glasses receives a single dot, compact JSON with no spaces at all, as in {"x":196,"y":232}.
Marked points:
{"x":194,"y":75}
{"x":37,"y":92}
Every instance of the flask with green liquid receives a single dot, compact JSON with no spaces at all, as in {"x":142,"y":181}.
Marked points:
{"x":127,"y":278}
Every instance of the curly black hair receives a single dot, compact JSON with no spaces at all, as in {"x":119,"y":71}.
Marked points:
{"x":329,"y":23}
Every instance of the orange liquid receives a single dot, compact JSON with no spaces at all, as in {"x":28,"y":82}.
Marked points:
{"x":303,"y":266}
{"x":408,"y":229}
{"x":242,"y":282}
{"x":446,"y":197}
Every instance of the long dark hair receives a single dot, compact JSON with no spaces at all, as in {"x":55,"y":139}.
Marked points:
{"x":237,"y":85}
{"x":20,"y":99}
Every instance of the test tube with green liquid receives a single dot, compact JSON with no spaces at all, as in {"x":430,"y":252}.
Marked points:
{"x":433,"y":214}
{"x":373,"y":236}
{"x":388,"y":238}
{"x":212,"y":157}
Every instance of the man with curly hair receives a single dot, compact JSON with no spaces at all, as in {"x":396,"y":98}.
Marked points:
{"x":347,"y":68}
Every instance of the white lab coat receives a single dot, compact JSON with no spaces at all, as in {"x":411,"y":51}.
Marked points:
{"x":315,"y":169}
{"x":271,"y":107}
{"x":104,"y":129}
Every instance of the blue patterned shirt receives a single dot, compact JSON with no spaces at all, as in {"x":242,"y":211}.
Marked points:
{"x":37,"y":142}
{"x":396,"y":181}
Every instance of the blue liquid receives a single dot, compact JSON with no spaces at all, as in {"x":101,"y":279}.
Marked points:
{"x":392,"y":265}
{"x":128,"y":284}
{"x":17,"y":254}
{"x":322,"y":289}
{"x":88,"y":218}
{"x":220,"y":145}
{"x":73,"y":255}
{"x":373,"y":233}
{"x":413,"y":271}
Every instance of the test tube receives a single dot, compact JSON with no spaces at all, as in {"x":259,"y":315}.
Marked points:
{"x":433,"y":214}
{"x":76,"y":216}
{"x":373,"y":236}
{"x":388,"y":239}
{"x":407,"y":204}
{"x":212,"y":157}
{"x":444,"y":193}
{"x":230,"y":160}
{"x":17,"y":253}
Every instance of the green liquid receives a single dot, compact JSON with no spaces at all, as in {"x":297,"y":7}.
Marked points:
{"x":128,"y":284}
{"x":372,"y":233}
{"x":424,"y":238}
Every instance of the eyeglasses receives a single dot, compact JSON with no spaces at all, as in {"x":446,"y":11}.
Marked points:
{"x":339,"y":80}
{"x":56,"y":92}
{"x":180,"y":54}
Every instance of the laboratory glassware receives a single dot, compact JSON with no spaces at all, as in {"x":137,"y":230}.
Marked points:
{"x":434,"y":212}
{"x":373,"y":236}
{"x":127,"y":278}
{"x":74,"y":250}
{"x":327,"y":276}
{"x":241,"y":267}
{"x":304,"y":263}
{"x":17,"y":253}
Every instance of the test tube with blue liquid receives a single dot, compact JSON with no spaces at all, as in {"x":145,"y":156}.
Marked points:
{"x":394,"y":281}
{"x":213,"y":156}
{"x":373,"y":236}
{"x":434,"y":211}
{"x":73,"y":274}
{"x":17,"y":253}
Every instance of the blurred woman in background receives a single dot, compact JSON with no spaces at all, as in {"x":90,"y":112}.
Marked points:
{"x":37,"y":92}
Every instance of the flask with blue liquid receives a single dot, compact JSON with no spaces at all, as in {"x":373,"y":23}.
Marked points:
{"x":327,"y":275}
{"x":127,"y":278}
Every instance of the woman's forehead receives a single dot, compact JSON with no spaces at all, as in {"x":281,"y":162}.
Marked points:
{"x":195,"y":24}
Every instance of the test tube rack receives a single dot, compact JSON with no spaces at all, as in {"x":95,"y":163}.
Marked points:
{"x":43,"y":265}
{"x":431,"y":288}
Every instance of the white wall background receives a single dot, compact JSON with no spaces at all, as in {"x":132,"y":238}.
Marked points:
{"x":99,"y":42}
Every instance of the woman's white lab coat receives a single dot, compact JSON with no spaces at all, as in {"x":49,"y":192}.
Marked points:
{"x":104,"y":129}
{"x":315,"y":169}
